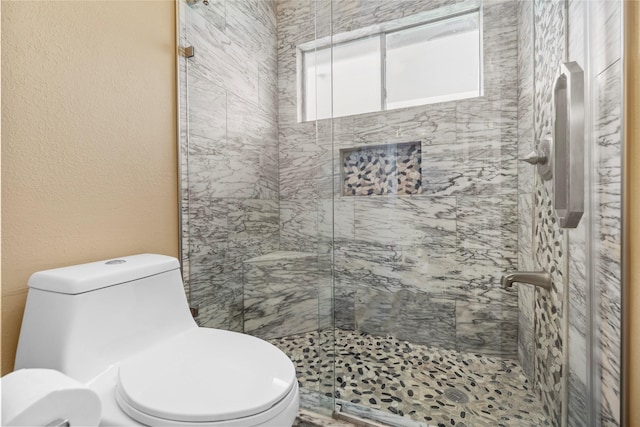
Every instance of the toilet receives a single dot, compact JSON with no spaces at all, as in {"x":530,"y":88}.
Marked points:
{"x":123,"y":329}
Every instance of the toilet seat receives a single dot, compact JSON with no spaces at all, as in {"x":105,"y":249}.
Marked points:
{"x":206,"y":376}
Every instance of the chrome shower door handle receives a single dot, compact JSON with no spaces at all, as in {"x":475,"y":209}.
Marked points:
{"x":568,"y":174}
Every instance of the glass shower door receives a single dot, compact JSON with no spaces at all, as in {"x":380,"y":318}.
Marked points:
{"x":426,"y":221}
{"x":256,"y":250}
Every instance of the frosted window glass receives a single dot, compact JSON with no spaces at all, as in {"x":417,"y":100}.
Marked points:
{"x":357,"y":75}
{"x":317,"y":84}
{"x":433,"y":62}
{"x":357,"y":85}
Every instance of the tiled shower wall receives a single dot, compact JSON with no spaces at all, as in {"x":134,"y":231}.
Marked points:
{"x":230,"y":182}
{"x":553,"y":340}
{"x":424,"y":267}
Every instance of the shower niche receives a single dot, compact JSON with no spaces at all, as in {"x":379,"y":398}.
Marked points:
{"x":382,"y":170}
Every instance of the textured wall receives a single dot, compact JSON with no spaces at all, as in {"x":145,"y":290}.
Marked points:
{"x":230,"y":206}
{"x":561,"y":319}
{"x":607,"y":191}
{"x":88,"y":139}
{"x":424,"y":267}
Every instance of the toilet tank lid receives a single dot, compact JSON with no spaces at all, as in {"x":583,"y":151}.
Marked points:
{"x":77,"y":279}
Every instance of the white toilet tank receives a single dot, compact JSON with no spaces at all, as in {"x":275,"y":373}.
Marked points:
{"x":81,"y":319}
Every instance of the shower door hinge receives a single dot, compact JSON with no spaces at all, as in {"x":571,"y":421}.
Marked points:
{"x":188,"y":51}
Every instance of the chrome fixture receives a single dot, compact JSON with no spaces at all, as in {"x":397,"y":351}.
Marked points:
{"x":192,"y":2}
{"x":535,"y":278}
{"x":542,"y":157}
{"x":568,"y":141}
{"x":188,"y":51}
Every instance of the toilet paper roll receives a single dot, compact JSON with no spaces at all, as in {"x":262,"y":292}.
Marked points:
{"x":40,"y":397}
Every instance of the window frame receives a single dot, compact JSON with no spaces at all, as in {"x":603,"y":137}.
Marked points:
{"x":381,"y":31}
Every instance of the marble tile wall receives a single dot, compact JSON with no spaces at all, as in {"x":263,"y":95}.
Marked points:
{"x":424,"y":267}
{"x":525,"y":185}
{"x":589,"y":254}
{"x":229,"y":140}
{"x":607,"y":220}
{"x":281,"y":294}
{"x":578,"y":272}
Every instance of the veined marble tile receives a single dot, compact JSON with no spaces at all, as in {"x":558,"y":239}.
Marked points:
{"x":281,"y":297}
{"x":578,"y":372}
{"x":268,"y":174}
{"x":409,"y":220}
{"x":607,"y":219}
{"x":487,"y":130}
{"x":526,"y":294}
{"x":292,"y":135}
{"x":577,"y":408}
{"x":212,"y":15}
{"x":609,"y":117}
{"x":440,"y":168}
{"x":526,"y":345}
{"x":299,"y":170}
{"x":219,"y":60}
{"x":329,"y":176}
{"x":326,"y":303}
{"x":500,"y":44}
{"x":578,"y":308}
{"x":390,"y":268}
{"x":431,"y":124}
{"x":295,"y":22}
{"x":207,"y":221}
{"x":251,"y":24}
{"x":525,"y":232}
{"x":268,"y":90}
{"x":487,"y":222}
{"x":206,"y":269}
{"x":249,"y":125}
{"x":219,"y":307}
{"x":251,"y":218}
{"x":526,"y":143}
{"x":299,"y":225}
{"x":489,"y":329}
{"x":607,"y":30}
{"x":578,"y":323}
{"x":222,"y":176}
{"x":407,"y":315}
{"x":207,"y":117}
{"x":351,"y":15}
{"x":477,"y":276}
{"x":336,"y":218}
{"x":472,"y":178}
{"x":344,"y":301}
{"x":549,"y":53}
{"x":337,"y":132}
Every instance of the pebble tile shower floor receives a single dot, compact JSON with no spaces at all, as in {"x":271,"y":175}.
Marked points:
{"x":429,"y":385}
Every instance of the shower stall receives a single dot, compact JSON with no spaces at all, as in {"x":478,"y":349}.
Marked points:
{"x":351,"y":192}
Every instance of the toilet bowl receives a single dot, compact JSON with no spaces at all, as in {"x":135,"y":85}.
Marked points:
{"x":123,"y":328}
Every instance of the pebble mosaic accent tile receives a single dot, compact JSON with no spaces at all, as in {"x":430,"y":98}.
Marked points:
{"x":419,"y":383}
{"x":383,"y":169}
{"x":550,"y":372}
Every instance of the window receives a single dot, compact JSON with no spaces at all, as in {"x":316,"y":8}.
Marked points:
{"x":424,"y":63}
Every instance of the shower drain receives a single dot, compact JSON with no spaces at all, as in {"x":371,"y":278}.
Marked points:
{"x":456,"y":395}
